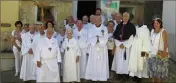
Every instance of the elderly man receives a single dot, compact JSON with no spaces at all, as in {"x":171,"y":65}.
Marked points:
{"x":97,"y":65}
{"x":71,"y":23}
{"x":113,"y":15}
{"x":117,"y":20}
{"x":71,"y":58}
{"x":28,"y":66}
{"x":81,"y":34}
{"x":92,"y":21}
{"x":47,"y":59}
{"x":123,"y":36}
{"x":85,"y":21}
{"x":40,"y":35}
{"x":60,"y":38}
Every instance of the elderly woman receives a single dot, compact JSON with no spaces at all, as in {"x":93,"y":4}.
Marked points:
{"x":16,"y":40}
{"x":110,"y":45}
{"x":123,"y":36}
{"x":158,"y":61}
{"x":71,"y":58}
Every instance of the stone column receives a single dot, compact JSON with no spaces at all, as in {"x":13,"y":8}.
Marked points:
{"x":169,"y":20}
{"x":74,"y":12}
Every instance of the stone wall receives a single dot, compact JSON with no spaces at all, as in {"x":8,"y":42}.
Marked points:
{"x":62,"y":10}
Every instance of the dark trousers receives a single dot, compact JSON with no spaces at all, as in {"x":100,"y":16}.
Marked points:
{"x":110,"y":57}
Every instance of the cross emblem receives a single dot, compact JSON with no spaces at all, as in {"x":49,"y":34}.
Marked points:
{"x":78,"y":37}
{"x":50,"y":49}
{"x":31,"y":40}
{"x":67,"y":48}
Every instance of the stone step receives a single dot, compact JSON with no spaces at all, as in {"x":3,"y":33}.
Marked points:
{"x":7,"y":61}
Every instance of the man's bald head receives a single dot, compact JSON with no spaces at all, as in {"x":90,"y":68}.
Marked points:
{"x":126,"y":16}
{"x":85,"y":19}
{"x":70,"y":19}
{"x":113,"y":14}
{"x":32,"y":28}
{"x":79,"y":24}
{"x":92,"y":18}
{"x":97,"y":19}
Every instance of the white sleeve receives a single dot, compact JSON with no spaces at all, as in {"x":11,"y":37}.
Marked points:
{"x":117,"y":43}
{"x":128,"y":42}
{"x":146,"y":42}
{"x":58,"y":54}
{"x":38,"y":53}
{"x":24,"y":47}
{"x":13,"y":33}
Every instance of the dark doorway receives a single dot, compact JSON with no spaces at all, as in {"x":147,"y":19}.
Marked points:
{"x":86,"y":8}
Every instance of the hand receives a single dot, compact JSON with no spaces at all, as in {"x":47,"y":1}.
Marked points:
{"x":77,"y":59}
{"x":39,"y":64}
{"x":121,"y":46}
{"x":19,"y":49}
{"x":30,"y":51}
{"x":143,"y":54}
{"x":165,"y":54}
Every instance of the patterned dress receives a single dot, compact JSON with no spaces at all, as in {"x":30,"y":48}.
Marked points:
{"x":158,"y":68}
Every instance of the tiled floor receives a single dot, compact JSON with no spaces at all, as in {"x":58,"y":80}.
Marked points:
{"x":8,"y":76}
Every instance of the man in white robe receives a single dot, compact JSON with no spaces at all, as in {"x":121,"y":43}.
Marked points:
{"x":140,"y":51}
{"x":28,"y":66}
{"x":81,"y":34}
{"x":113,"y":15}
{"x":123,"y":36}
{"x":60,"y":38}
{"x":118,"y":20}
{"x":92,"y":21}
{"x":85,"y":21}
{"x":71,"y":58}
{"x":36,"y":40}
{"x":97,"y":65}
{"x":48,"y":59}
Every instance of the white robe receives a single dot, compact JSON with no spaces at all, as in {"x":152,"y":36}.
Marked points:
{"x":97,"y":65}
{"x":119,"y":64}
{"x":49,"y":58}
{"x":60,"y":40}
{"x":36,"y":39}
{"x":28,"y":66}
{"x":141,"y":43}
{"x":71,"y":68}
{"x":82,"y":42}
{"x":67,"y":26}
{"x":54,"y":35}
{"x":89,"y":26}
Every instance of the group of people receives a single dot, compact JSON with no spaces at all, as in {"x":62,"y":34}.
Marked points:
{"x":92,"y":50}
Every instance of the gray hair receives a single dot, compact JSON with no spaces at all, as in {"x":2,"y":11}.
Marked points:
{"x":92,"y":16}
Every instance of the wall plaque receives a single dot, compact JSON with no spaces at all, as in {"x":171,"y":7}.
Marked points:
{"x":5,"y":25}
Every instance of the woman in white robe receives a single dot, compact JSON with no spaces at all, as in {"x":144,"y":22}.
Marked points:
{"x":71,"y":58}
